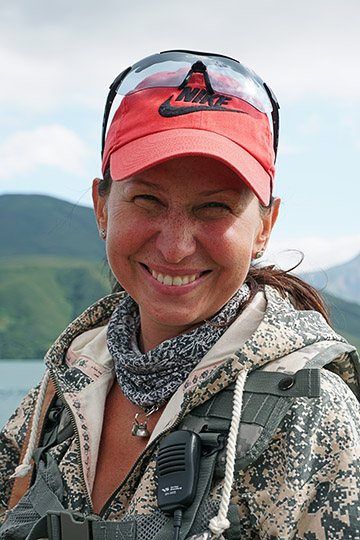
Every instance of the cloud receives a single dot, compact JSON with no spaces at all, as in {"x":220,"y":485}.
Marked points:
{"x":32,"y":82}
{"x":54,"y":146}
{"x":319,"y":253}
{"x":51,"y":52}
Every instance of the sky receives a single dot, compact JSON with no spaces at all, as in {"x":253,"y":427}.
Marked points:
{"x":57,"y":60}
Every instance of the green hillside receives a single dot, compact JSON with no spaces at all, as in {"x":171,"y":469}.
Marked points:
{"x":39,"y":296}
{"x":51,"y":269}
{"x":345,"y":317}
{"x":40,"y":225}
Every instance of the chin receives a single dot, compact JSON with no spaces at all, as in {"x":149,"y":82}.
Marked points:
{"x":175,"y":319}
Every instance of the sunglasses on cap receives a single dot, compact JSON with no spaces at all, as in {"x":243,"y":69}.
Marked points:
{"x":174,"y":68}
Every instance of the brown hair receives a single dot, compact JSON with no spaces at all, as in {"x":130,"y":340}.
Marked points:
{"x":303,"y":296}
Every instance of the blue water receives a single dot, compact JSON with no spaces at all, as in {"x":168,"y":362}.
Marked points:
{"x":17,"y":377}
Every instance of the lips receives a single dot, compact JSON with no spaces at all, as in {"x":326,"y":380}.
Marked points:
{"x":175,"y":281}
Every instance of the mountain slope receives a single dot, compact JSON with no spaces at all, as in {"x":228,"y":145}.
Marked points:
{"x":342,"y":281}
{"x":39,"y":296}
{"x":51,"y":269}
{"x":41,"y":225}
{"x":345,"y":317}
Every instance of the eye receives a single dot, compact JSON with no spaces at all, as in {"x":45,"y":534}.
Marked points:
{"x":214,"y":204}
{"x":214,"y":209}
{"x":149,"y":202}
{"x":146,"y":197}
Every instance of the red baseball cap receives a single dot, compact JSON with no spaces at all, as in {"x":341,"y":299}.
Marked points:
{"x":153,"y":125}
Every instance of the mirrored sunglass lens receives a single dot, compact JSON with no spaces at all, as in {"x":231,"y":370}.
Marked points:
{"x":234,"y":80}
{"x":170,"y":73}
{"x":242,"y":85}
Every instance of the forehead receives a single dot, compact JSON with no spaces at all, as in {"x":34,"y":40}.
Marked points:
{"x":191,"y":174}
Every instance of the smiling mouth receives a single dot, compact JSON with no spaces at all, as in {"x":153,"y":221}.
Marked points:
{"x":175,"y":281}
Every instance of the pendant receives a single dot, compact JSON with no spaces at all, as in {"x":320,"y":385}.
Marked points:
{"x":139,"y":429}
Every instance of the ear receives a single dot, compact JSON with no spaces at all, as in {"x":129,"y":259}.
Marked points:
{"x":100,"y":206}
{"x":267,"y":221}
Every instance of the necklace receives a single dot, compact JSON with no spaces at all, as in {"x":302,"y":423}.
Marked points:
{"x":139,"y":429}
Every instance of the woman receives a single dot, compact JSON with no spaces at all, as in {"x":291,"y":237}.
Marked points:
{"x":203,"y":350}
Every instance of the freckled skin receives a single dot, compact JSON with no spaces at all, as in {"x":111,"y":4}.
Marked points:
{"x":190,"y":215}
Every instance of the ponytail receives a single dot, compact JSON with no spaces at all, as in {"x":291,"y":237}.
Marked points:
{"x":303,"y":296}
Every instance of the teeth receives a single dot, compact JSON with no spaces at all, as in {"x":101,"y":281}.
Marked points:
{"x":176,"y":281}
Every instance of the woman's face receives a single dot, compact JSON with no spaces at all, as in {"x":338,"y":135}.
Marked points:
{"x":180,"y":237}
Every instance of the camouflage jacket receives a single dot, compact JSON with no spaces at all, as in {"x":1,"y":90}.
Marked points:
{"x":306,"y":482}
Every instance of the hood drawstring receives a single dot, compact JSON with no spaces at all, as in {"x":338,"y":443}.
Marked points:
{"x":217,"y":524}
{"x":24,"y":468}
{"x":220,"y":523}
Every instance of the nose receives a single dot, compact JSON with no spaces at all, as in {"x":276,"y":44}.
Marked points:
{"x":176,"y":240}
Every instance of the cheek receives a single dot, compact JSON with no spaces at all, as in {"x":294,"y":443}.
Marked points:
{"x":121,"y":242}
{"x":231,"y":245}
{"x":127,"y":234}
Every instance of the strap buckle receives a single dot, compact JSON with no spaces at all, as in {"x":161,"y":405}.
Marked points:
{"x":211,"y":442}
{"x":67,"y":525}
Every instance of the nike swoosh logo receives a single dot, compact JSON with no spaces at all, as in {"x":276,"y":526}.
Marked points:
{"x":168,"y":110}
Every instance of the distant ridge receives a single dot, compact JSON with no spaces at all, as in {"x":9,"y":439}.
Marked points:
{"x":51,"y":269}
{"x":41,"y":225}
{"x":345,"y":317}
{"x":342,"y":280}
{"x":40,"y":296}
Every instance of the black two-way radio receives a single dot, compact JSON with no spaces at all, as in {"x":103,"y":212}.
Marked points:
{"x":178,"y":466}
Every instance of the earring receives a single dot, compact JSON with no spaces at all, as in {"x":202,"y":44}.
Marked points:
{"x":259,"y":254}
{"x":103,"y":234}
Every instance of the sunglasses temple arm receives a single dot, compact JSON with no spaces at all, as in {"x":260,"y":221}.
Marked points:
{"x":274,"y":116}
{"x":109,"y":101}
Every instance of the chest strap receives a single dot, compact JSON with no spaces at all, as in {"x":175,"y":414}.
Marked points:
{"x":267,"y":398}
{"x":61,"y":524}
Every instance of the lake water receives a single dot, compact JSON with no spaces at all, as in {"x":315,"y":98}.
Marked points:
{"x":17,"y":377}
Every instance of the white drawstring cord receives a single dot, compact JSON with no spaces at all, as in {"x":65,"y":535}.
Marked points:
{"x":24,"y":468}
{"x":220,"y":523}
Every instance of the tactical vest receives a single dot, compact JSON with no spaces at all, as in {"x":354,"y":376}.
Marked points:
{"x":267,"y":398}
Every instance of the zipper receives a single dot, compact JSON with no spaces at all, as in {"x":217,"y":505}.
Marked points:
{"x":77,"y":437}
{"x":147,"y":450}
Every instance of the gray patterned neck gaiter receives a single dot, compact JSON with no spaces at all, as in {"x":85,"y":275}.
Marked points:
{"x":150,"y":379}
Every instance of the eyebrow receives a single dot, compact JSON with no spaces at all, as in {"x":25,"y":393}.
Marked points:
{"x":217,"y":191}
{"x":207,"y":193}
{"x":151,"y":184}
{"x":143,"y":182}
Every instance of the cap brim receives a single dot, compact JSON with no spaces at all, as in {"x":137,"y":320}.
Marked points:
{"x":146,"y":152}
